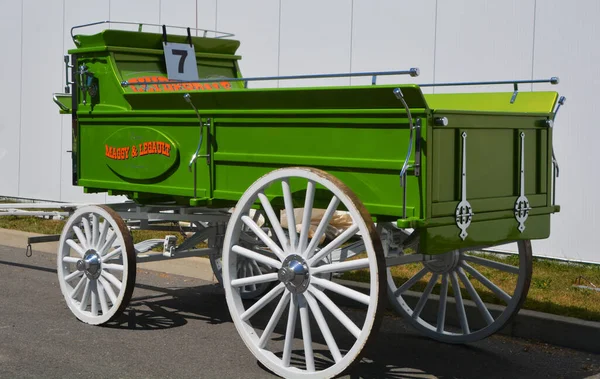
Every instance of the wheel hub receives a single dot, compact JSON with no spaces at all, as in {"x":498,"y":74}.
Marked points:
{"x":443,"y":263}
{"x":294,"y":273}
{"x":90,"y":264}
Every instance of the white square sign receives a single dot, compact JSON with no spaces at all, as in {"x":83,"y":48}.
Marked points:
{"x":181,"y":61}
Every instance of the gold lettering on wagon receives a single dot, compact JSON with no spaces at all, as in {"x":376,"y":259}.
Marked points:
{"x":139,"y":150}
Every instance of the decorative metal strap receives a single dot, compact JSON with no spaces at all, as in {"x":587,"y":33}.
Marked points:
{"x":187,"y":98}
{"x":464,"y":211}
{"x":522,"y":207}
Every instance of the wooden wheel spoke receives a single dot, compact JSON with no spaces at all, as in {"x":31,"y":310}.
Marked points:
{"x":81,"y":238}
{"x":411,"y":282}
{"x":341,"y":266}
{"x":486,"y":282}
{"x":341,"y":290}
{"x":306,"y":216}
{"x":339,"y":241}
{"x":325,"y":331}
{"x":264,"y":237}
{"x":485,"y":313}
{"x":492,"y":264}
{"x":275,"y":317}
{"x":289,"y":332}
{"x":460,"y":307}
{"x":331,"y":208}
{"x":256,"y":256}
{"x":425,"y":296}
{"x":274,"y":221}
{"x":289,"y":212}
{"x":262,"y":302}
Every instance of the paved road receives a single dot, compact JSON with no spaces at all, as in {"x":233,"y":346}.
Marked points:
{"x":178,"y":327}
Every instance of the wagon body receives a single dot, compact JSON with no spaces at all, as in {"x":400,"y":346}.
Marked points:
{"x":138,"y":139}
{"x":401,"y":181}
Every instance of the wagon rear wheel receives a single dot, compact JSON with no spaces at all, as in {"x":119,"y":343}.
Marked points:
{"x":96,"y":264}
{"x":300,"y":328}
{"x":246,"y":267}
{"x":447,"y":297}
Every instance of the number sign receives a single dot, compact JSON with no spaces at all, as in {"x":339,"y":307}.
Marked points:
{"x":181,"y":61}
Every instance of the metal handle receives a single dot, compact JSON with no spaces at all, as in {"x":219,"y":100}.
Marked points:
{"x":61,"y":105}
{"x":67,"y":81}
{"x":552,"y":80}
{"x":400,"y":96}
{"x":218,"y":34}
{"x":561,"y":101}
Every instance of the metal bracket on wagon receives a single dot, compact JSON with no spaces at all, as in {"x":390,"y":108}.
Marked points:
{"x":187,"y":98}
{"x":405,"y":166}
{"x":464,"y":211}
{"x":522,"y":207}
{"x":555,"y":167}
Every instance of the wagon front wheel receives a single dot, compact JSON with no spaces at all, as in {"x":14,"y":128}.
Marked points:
{"x":96,"y":264}
{"x":301,"y":327}
{"x":458,"y":296}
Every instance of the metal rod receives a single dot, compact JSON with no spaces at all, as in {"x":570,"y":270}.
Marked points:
{"x":139,"y":24}
{"x":42,"y":239}
{"x":552,"y":80}
{"x":412,"y":72}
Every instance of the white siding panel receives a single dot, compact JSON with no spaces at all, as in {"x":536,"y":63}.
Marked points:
{"x":10,"y":79}
{"x":315,"y":39}
{"x":256,"y":25}
{"x":40,"y":122}
{"x":483,"y":41}
{"x":80,"y":13}
{"x":566,"y":45}
{"x":144,"y":11}
{"x":385,"y":39}
{"x":207,"y":14}
{"x":178,"y":13}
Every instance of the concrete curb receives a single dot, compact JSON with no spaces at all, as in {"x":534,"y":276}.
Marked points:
{"x":552,"y":329}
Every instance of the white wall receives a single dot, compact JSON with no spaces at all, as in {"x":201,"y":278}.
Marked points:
{"x":460,"y":40}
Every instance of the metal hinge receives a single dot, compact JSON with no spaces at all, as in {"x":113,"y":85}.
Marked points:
{"x":522,"y":207}
{"x":464,"y":211}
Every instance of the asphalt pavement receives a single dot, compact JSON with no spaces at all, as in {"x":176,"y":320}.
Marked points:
{"x":179,"y":327}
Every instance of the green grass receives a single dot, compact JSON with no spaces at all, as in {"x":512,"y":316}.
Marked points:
{"x":552,"y":285}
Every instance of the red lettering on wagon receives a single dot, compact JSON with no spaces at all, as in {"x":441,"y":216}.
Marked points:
{"x":163,"y":84}
{"x":145,"y":148}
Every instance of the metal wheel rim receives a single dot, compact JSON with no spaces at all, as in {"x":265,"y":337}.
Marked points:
{"x":431,"y":329}
{"x":110,"y":284}
{"x":251,"y":337}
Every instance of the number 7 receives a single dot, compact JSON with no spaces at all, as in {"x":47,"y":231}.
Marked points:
{"x":183,"y":54}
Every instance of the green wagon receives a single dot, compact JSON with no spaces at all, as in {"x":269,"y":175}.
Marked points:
{"x":291,"y":190}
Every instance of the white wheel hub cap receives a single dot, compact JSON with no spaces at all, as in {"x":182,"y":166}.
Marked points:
{"x":90,"y":264}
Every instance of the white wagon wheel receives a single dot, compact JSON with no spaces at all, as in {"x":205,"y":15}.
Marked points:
{"x":96,"y":264}
{"x":325,"y":340}
{"x":459,"y":270}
